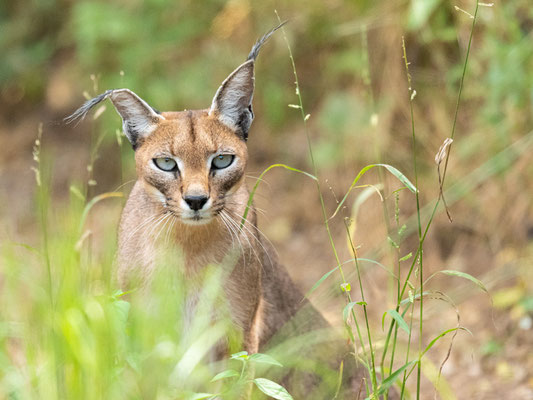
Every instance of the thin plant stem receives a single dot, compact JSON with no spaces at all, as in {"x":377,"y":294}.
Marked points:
{"x":319,"y":190}
{"x":362,"y":293}
{"x":395,"y":338}
{"x":43,"y":203}
{"x":461,"y":84}
{"x":404,"y":379}
{"x":437,"y":203}
{"x":374,"y":121}
{"x":412,"y":94}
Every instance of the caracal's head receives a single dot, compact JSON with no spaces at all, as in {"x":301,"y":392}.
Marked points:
{"x":193,"y":161}
{"x":190,"y":162}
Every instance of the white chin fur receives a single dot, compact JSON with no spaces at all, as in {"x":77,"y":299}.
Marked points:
{"x":196,"y":221}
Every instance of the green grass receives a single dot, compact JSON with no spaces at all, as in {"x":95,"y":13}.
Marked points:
{"x":67,"y":332}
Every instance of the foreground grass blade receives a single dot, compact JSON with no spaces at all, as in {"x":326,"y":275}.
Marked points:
{"x":95,"y":200}
{"x":319,"y":282}
{"x":348,"y":307}
{"x":229,"y":373}
{"x":401,"y":177}
{"x":432,"y":343}
{"x":252,"y":193}
{"x":264,"y":359}
{"x":387,"y":383}
{"x":461,"y":274}
{"x":398,"y":318}
{"x":272,"y":389}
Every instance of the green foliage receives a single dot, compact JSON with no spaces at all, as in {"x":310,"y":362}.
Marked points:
{"x":65,"y":331}
{"x":272,"y":389}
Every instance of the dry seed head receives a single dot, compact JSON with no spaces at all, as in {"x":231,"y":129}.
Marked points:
{"x":441,"y":154}
{"x":466,"y":12}
{"x":36,"y":154}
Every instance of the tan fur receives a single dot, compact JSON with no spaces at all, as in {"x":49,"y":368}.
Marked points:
{"x":194,"y":209}
{"x":193,"y":136}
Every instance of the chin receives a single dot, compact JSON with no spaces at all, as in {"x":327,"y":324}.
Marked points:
{"x":197,"y":220}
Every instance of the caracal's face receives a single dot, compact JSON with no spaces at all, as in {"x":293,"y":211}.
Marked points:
{"x":191,"y":165}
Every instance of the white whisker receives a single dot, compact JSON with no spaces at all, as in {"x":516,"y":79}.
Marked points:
{"x":226,"y":218}
{"x":245,"y":234}
{"x":145,"y":222}
{"x":255,"y":237}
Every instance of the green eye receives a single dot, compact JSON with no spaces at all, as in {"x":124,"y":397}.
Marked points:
{"x":223,"y":161}
{"x":166,"y":164}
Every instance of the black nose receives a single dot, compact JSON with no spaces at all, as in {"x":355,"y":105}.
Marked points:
{"x":195,"y":202}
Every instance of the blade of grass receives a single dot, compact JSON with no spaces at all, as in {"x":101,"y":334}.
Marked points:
{"x":258,"y":181}
{"x":321,"y":198}
{"x":432,"y":215}
{"x":401,"y":177}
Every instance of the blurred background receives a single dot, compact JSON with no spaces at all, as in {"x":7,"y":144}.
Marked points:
{"x":348,"y":55}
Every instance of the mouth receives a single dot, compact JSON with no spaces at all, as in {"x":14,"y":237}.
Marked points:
{"x":192,"y":217}
{"x":196,"y":219}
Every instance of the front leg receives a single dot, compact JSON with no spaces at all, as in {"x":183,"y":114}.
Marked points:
{"x":251,"y":345}
{"x":251,"y":338}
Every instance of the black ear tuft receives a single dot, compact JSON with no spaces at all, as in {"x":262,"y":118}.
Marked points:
{"x":81,"y":113}
{"x":233,"y":100}
{"x":257,"y":46}
{"x":138,"y":118}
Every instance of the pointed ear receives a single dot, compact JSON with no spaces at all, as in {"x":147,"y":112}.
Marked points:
{"x":139,"y":120}
{"x":232,"y":103}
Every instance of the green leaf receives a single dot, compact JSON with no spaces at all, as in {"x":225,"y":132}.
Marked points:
{"x":241,"y":355}
{"x":199,"y":396}
{"x":229,"y":373}
{"x":346,"y":287}
{"x":348,"y":308}
{"x":319,"y":282}
{"x":402,"y":230}
{"x":392,"y":243}
{"x":412,"y":297}
{"x":464,"y":275}
{"x":339,"y":380}
{"x":420,"y":12}
{"x":398,"y":318}
{"x":387,"y":270}
{"x":272,"y":389}
{"x":77,"y":192}
{"x":260,"y":178}
{"x":401,"y":177}
{"x":387,"y":383}
{"x":432,"y":343}
{"x":95,"y":200}
{"x":264,"y":359}
{"x":406,"y":257}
